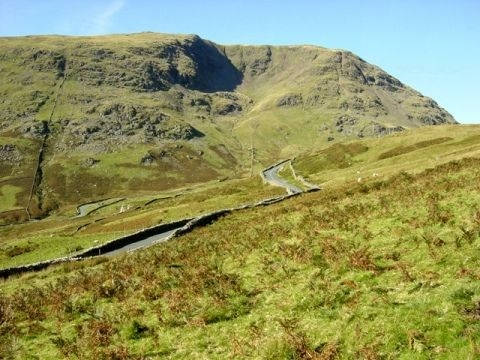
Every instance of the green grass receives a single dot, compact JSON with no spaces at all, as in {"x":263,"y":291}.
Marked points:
{"x":8,"y":197}
{"x":411,"y":151}
{"x":332,"y":166}
{"x":64,"y":234}
{"x":312,"y":278}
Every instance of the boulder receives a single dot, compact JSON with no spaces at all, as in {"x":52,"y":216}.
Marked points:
{"x":9,"y":154}
{"x":148,"y":159}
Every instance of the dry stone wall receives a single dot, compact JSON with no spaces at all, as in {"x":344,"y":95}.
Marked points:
{"x":182,"y":227}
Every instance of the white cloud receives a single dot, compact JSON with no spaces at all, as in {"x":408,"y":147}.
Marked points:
{"x":103,"y":20}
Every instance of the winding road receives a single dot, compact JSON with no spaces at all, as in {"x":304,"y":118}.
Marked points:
{"x":270,"y":175}
{"x":142,"y":243}
{"x":163,"y":232}
{"x":88,"y":208}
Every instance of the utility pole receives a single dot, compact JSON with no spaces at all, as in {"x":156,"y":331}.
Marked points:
{"x":251,"y":155}
{"x":252,"y":149}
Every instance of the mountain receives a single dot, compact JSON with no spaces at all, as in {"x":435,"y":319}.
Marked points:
{"x":86,"y":117}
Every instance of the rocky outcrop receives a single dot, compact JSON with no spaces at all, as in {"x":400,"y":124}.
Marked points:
{"x":289,"y":100}
{"x":126,"y":124}
{"x":9,"y":154}
{"x":227,"y":108}
{"x":250,"y":60}
{"x":45,"y":60}
{"x":89,"y":162}
{"x":345,"y":123}
{"x":36,"y":130}
{"x":188,"y":61}
{"x":148,"y":159}
{"x":434,"y":119}
{"x":376,"y":129}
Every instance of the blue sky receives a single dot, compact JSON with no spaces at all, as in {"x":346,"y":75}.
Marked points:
{"x":431,"y":45}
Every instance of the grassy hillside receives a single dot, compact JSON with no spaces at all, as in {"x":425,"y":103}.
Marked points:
{"x":64,"y":234}
{"x":358,"y":161}
{"x":410,"y":151}
{"x":108,"y":116}
{"x":356,"y":271}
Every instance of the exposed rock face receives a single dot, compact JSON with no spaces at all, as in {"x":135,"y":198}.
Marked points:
{"x":251,"y":61}
{"x":219,"y":103}
{"x":433,"y":119}
{"x":48,"y":60}
{"x":126,"y":123}
{"x":227,"y":108}
{"x":36,"y":130}
{"x":345,"y":123}
{"x":191,"y":62}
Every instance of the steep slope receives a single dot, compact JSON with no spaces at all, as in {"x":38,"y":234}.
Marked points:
{"x":109,"y":115}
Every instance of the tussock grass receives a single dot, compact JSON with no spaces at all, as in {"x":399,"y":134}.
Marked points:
{"x":355,"y":271}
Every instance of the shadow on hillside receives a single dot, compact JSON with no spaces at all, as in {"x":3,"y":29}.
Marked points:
{"x":215,"y":71}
